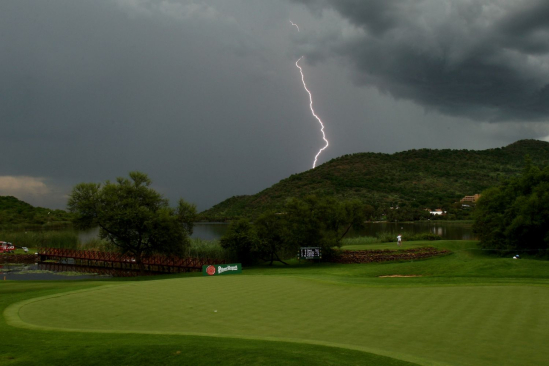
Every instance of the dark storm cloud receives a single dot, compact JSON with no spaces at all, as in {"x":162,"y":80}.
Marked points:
{"x":181,"y":90}
{"x":527,"y":29}
{"x":485,"y":60}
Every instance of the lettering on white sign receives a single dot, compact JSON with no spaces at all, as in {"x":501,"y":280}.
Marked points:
{"x":228,"y":268}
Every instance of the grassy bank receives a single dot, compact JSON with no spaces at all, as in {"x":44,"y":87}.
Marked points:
{"x":69,"y":239}
{"x":34,"y":239}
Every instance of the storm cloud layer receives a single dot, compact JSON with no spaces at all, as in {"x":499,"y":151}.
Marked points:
{"x":487,"y":60}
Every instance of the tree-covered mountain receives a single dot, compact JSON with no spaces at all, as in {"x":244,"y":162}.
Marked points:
{"x":15,"y":212}
{"x":423,"y":178}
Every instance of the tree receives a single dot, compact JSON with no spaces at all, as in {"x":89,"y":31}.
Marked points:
{"x":263,"y":239}
{"x":305,"y":222}
{"x":241,"y":239}
{"x":272,"y":243}
{"x":133,"y":217}
{"x":515,"y":215}
{"x":322,"y":222}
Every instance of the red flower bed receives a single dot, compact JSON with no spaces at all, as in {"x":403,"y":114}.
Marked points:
{"x":386,"y":255}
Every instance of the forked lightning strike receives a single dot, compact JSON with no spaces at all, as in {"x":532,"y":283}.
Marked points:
{"x":313,"y":111}
{"x":311,"y":106}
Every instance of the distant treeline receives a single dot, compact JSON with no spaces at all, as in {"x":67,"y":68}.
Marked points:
{"x":14,"y":213}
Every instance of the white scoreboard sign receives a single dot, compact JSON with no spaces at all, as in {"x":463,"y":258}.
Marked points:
{"x":310,"y":253}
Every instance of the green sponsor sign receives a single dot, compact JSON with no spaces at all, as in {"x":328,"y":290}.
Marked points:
{"x":221,"y":269}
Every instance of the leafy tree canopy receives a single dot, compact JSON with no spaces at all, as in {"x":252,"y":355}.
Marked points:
{"x":241,"y":239}
{"x":133,"y":216}
{"x":304,"y":222}
{"x":515,"y":215}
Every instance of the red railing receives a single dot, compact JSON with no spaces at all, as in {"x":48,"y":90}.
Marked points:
{"x":159,"y":263}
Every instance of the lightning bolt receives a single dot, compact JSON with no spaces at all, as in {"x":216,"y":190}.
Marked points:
{"x":313,"y":112}
{"x":295,"y":25}
{"x":311,"y":106}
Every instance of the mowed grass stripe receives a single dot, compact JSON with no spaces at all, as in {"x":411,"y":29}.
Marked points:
{"x":457,"y":325}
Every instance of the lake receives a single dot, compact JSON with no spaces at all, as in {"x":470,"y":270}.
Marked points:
{"x":447,"y":230}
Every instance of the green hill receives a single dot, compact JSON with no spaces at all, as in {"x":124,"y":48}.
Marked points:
{"x":423,"y":178}
{"x":16,"y":212}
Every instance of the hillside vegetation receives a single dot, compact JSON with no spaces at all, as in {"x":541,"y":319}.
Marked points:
{"x":16,"y":212}
{"x":424,"y":178}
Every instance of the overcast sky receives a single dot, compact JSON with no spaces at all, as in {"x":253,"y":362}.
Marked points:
{"x":205,"y":96}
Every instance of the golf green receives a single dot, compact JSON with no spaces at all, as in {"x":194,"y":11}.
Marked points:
{"x":458,"y":325}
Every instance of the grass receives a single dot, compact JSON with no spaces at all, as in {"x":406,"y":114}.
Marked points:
{"x":361,"y":240}
{"x":68,"y":239}
{"x":35,"y":239}
{"x":468,"y":308}
{"x":21,"y":346}
{"x":200,"y":248}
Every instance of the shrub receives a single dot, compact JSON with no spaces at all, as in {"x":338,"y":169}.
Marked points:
{"x":98,"y":245}
{"x":200,"y":248}
{"x":386,"y":237}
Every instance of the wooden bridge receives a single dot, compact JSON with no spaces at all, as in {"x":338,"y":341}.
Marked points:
{"x":155,"y":263}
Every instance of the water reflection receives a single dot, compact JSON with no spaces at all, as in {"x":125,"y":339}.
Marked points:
{"x":49,"y":271}
{"x":202,"y":230}
{"x":65,"y":270}
{"x":448,"y":231}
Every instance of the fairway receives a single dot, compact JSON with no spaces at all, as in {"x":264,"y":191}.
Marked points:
{"x":457,"y":325}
